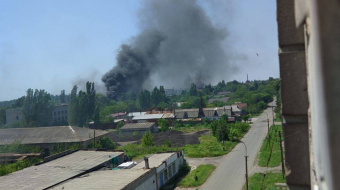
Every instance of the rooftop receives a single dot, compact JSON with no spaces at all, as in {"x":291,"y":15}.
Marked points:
{"x":131,"y":114}
{"x":138,"y":125}
{"x":155,"y":160}
{"x":114,"y":179}
{"x":104,"y":180}
{"x":148,"y":116}
{"x":56,"y":171}
{"x":39,"y":135}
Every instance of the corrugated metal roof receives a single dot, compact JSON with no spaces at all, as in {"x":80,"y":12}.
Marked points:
{"x":131,"y":114}
{"x":53,"y":172}
{"x":148,"y":116}
{"x":168,"y":116}
{"x":191,"y":113}
{"x":138,"y":125}
{"x":114,"y":179}
{"x":155,"y":160}
{"x":103,"y":180}
{"x":39,"y":135}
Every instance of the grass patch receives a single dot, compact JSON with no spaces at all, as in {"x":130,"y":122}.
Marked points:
{"x":136,"y":151}
{"x":259,"y":181}
{"x":264,"y":154}
{"x":19,"y":165}
{"x":191,"y":128}
{"x":208,"y":147}
{"x":202,"y":172}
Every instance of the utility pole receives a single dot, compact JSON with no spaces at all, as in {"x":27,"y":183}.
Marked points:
{"x":282,"y":164}
{"x":268,"y":133}
{"x":246,"y":158}
{"x":94,"y":138}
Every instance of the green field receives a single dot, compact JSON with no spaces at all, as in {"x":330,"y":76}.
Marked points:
{"x":260,"y":181}
{"x":208,"y":147}
{"x":275,"y":156}
{"x":202,"y":172}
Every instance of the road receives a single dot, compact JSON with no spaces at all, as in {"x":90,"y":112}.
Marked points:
{"x":230,"y":173}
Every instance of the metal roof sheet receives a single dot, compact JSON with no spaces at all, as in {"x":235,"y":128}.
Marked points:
{"x":58,"y":170}
{"x":39,"y":135}
{"x":148,"y":116}
{"x":138,"y":125}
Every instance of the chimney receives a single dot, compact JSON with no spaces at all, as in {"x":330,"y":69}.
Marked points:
{"x":146,"y":159}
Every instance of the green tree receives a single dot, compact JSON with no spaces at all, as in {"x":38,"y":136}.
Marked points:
{"x":223,"y":130}
{"x":37,"y":108}
{"x":96,"y":118}
{"x":120,"y":124}
{"x":193,"y":90}
{"x":145,"y":99}
{"x":245,"y":117}
{"x":164,"y":125}
{"x":147,"y":139}
{"x":62,"y":97}
{"x":73,"y":107}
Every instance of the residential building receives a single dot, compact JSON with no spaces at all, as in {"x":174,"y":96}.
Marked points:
{"x":188,"y":113}
{"x":133,"y":114}
{"x":59,"y":114}
{"x":14,"y":115}
{"x":140,"y":128}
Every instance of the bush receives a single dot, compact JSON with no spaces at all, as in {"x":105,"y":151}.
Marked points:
{"x":103,"y":142}
{"x":147,"y":139}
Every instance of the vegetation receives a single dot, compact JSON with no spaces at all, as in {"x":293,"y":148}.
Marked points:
{"x":19,"y":165}
{"x":37,"y":108}
{"x":147,"y":139}
{"x":61,"y":147}
{"x":82,"y":106}
{"x":136,"y":151}
{"x":172,"y":184}
{"x":260,"y":181}
{"x":270,"y":156}
{"x":165,"y":126}
{"x":103,"y":142}
{"x":209,"y":147}
{"x":198,"y":176}
{"x":17,"y":147}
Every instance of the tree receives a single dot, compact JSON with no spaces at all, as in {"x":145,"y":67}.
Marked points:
{"x":82,"y":106}
{"x":193,"y":90}
{"x":73,"y":107}
{"x":96,"y":118}
{"x":147,"y":139}
{"x":62,"y":97}
{"x":145,"y":99}
{"x":164,"y":125}
{"x":120,"y":124}
{"x":37,"y":108}
{"x":223,"y":130}
{"x":245,"y":117}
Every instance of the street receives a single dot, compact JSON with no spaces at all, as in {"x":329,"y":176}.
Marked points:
{"x":230,"y":173}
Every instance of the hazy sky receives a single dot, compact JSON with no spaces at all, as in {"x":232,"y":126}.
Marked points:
{"x":56,"y":44}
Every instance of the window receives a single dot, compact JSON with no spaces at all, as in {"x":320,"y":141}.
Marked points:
{"x":17,"y":117}
{"x":170,"y":171}
{"x":174,"y":168}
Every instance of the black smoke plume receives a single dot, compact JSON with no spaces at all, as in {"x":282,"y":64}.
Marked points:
{"x":177,"y":45}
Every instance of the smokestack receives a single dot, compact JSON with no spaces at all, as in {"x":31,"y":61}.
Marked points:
{"x":146,"y":159}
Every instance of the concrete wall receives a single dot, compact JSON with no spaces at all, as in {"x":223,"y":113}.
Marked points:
{"x":14,"y":115}
{"x":309,"y":40}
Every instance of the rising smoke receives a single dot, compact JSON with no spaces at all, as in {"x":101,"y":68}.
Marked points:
{"x":177,"y":45}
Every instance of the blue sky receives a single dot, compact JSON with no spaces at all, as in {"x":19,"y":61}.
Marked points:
{"x":56,"y":44}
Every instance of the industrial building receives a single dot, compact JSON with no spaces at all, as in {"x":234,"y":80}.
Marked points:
{"x":151,"y":174}
{"x":56,"y":171}
{"x":48,"y":137}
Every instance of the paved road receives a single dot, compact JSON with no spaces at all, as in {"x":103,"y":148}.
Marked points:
{"x":230,"y":173}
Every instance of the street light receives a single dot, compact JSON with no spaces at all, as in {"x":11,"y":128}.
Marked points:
{"x":246,"y":158}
